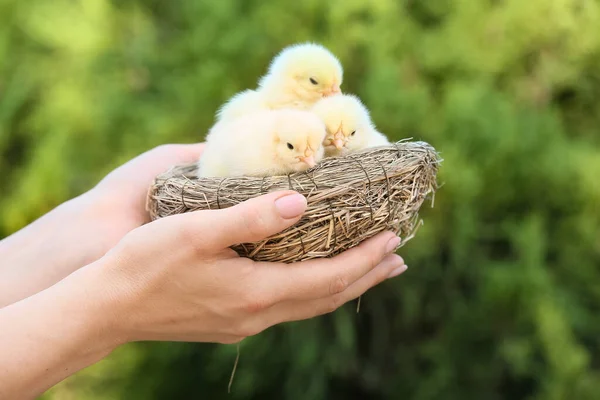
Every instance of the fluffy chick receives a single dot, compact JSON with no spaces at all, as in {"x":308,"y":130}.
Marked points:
{"x":268,"y":142}
{"x":349,"y":125}
{"x":297,"y":77}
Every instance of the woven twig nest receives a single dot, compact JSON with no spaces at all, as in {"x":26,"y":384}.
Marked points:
{"x":350,"y":199}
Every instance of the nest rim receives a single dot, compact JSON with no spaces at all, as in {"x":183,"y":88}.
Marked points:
{"x":350,"y":199}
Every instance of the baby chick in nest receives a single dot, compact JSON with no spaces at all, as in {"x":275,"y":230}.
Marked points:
{"x":298,"y":77}
{"x":349,"y":125}
{"x":267,"y":142}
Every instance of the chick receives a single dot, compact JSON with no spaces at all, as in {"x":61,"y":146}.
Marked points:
{"x":297,"y":77}
{"x":349,"y":125}
{"x":268,"y":142}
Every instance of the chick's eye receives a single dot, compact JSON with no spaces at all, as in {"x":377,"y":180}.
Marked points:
{"x":353,"y":132}
{"x":314,"y":81}
{"x":290,"y":146}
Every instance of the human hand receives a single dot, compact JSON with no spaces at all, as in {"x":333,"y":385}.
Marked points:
{"x":83,"y":229}
{"x":177,"y":279}
{"x":123,"y":191}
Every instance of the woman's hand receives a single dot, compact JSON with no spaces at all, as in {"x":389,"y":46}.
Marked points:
{"x":177,"y":279}
{"x":119,"y":200}
{"x":124,"y":190}
{"x":82,"y":230}
{"x":173,"y":279}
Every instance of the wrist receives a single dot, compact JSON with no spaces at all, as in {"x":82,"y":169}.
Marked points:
{"x":34,"y":258}
{"x":76,"y":233}
{"x":53,"y":334}
{"x":97,"y":312}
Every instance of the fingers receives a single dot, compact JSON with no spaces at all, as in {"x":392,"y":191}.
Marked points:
{"x":321,"y":278}
{"x":250,"y":221}
{"x":163,"y":157}
{"x":391,"y":263}
{"x":136,"y":174}
{"x":300,"y":310}
{"x":182,"y":153}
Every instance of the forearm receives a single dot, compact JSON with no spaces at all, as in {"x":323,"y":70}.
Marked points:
{"x":52,"y":335}
{"x":41,"y":254}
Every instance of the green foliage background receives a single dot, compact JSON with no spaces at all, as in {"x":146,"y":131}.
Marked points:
{"x":502,"y":296}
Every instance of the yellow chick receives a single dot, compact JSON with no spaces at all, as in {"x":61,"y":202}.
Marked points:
{"x":349,"y":125}
{"x":297,"y":77}
{"x":268,"y":142}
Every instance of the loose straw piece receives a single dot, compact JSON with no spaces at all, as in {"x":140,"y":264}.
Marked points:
{"x":235,"y":364}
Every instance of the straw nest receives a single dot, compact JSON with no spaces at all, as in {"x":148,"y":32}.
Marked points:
{"x":350,"y":199}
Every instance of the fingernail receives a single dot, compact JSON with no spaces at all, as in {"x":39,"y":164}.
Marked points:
{"x":397,"y":271}
{"x":392,"y":244}
{"x":291,"y":206}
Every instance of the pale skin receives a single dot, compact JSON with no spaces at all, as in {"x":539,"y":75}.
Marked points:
{"x":92,"y":275}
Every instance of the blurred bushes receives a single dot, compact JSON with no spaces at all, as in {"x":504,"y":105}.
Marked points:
{"x":502,"y":297}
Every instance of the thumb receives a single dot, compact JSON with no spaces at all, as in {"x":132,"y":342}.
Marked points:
{"x":250,"y":221}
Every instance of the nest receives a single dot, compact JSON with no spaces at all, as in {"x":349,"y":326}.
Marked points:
{"x":350,"y":199}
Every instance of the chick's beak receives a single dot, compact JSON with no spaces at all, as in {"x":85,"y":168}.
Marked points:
{"x":333,"y":90}
{"x":310,"y":160}
{"x":338,"y":140}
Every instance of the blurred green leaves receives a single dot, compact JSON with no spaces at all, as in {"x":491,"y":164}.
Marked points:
{"x":501,"y":299}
